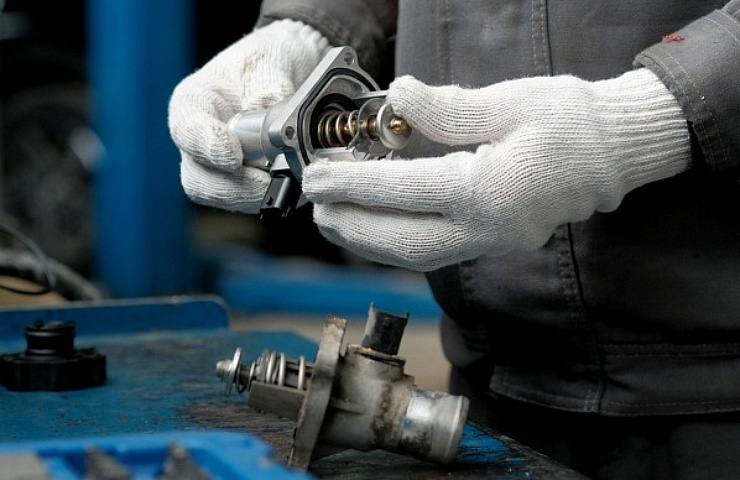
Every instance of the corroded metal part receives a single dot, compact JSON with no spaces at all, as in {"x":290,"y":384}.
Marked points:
{"x":361,"y":399}
{"x":318,"y":393}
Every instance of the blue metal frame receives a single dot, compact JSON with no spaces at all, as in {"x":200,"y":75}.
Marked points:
{"x":120,"y":316}
{"x":138,"y":50}
{"x":218,"y":454}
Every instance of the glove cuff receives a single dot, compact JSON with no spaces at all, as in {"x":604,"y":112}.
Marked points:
{"x":645,"y":129}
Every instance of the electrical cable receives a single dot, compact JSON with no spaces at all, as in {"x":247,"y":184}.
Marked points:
{"x":49,"y":278}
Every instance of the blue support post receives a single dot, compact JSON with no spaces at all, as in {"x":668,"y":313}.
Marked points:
{"x":137,"y":52}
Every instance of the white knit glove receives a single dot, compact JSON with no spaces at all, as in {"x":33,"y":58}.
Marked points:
{"x":257,"y":71}
{"x":555,"y":149}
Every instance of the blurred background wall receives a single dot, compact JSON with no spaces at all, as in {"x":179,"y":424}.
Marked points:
{"x":88,"y":169}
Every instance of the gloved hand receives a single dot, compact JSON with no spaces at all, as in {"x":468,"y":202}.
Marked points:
{"x":554,"y":150}
{"x":257,"y":71}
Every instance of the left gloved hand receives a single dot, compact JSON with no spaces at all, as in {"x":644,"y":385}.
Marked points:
{"x":554,"y":150}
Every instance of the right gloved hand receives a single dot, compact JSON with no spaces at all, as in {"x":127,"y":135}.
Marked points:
{"x":254,"y":73}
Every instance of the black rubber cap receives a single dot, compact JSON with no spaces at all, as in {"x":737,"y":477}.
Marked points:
{"x":50,"y":361}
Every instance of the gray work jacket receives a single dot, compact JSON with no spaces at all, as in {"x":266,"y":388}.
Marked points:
{"x":632,"y":312}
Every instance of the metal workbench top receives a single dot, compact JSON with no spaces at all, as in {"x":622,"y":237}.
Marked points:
{"x":161,"y":356}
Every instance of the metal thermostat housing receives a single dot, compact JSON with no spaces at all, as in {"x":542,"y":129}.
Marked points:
{"x":361,"y":399}
{"x":337,"y":113}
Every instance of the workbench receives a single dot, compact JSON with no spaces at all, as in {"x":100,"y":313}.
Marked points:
{"x":161,"y":355}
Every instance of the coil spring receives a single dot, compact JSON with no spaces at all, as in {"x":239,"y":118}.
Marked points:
{"x":338,"y":128}
{"x":276,"y":369}
{"x":373,"y":128}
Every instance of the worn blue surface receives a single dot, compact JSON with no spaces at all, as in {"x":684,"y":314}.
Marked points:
{"x":479,"y":447}
{"x":156,"y":381}
{"x":161,"y":356}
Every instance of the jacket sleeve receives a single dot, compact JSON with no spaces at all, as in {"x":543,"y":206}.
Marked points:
{"x":368,"y":26}
{"x":700,"y":64}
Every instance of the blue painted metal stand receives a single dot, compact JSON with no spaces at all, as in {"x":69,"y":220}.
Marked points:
{"x":138,"y":50}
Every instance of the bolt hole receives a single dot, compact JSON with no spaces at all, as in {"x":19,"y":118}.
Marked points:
{"x":349,"y":59}
{"x":290,"y":132}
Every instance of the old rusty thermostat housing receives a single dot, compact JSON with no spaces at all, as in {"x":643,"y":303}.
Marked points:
{"x":338,"y":113}
{"x":360,"y":400}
